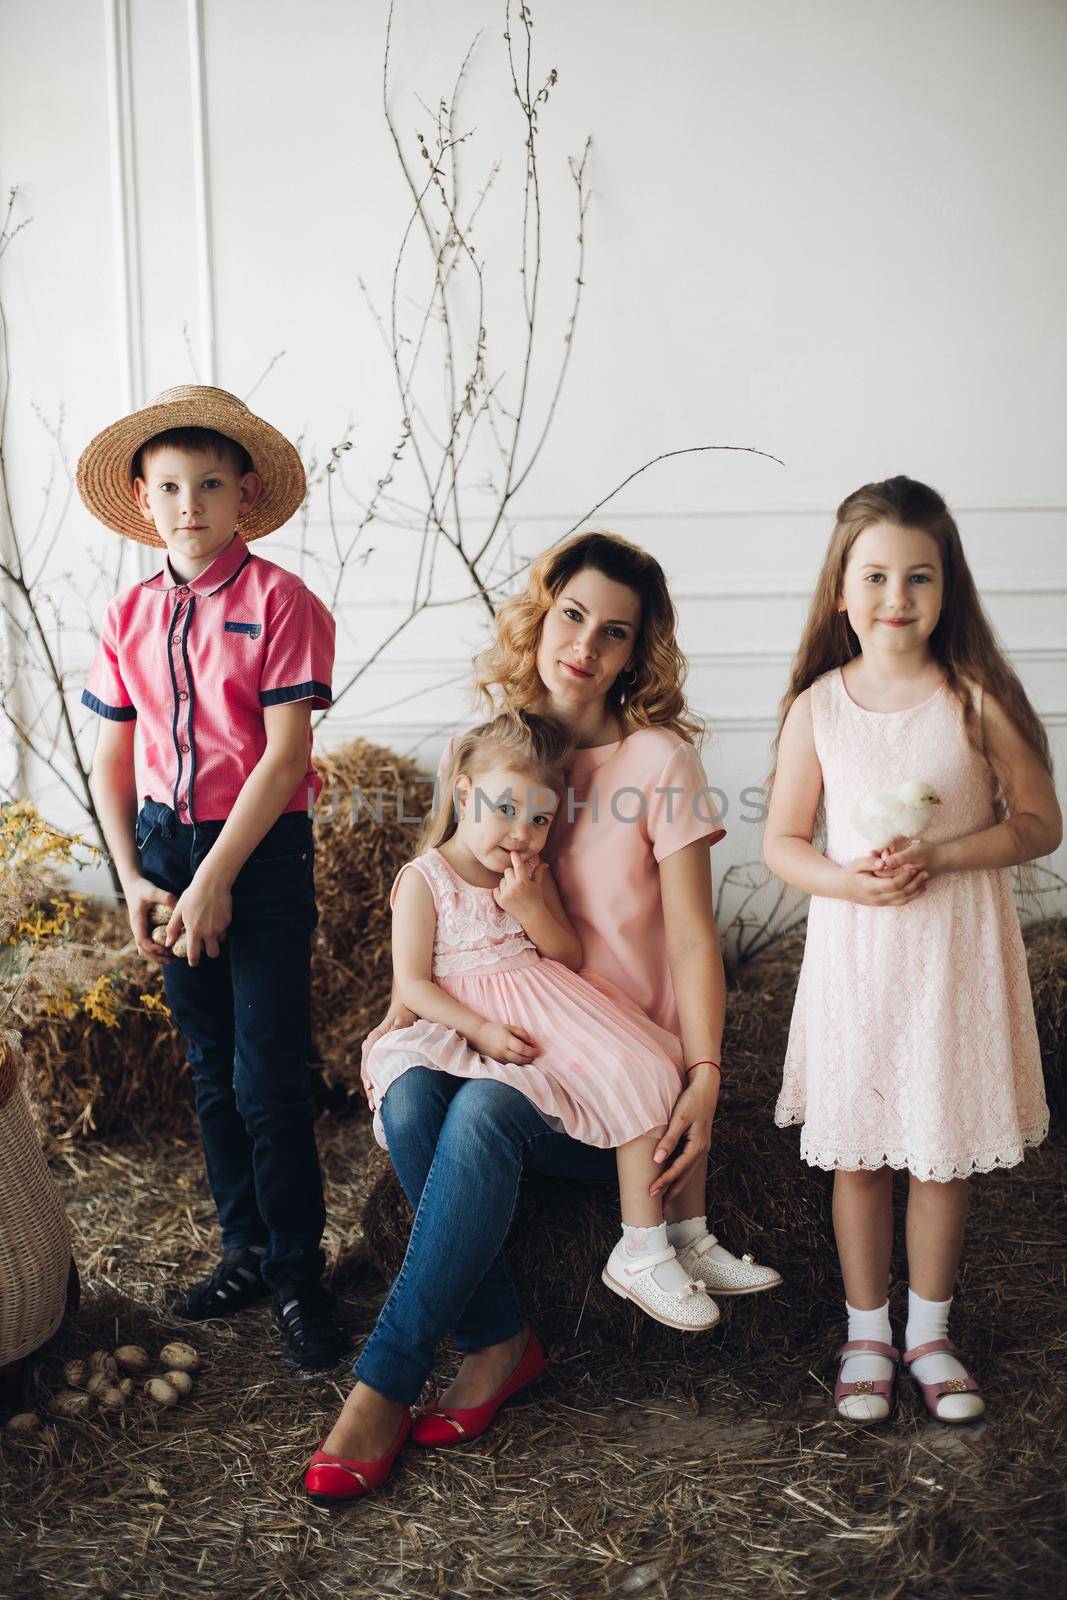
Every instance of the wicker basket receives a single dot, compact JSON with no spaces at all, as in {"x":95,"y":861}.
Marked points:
{"x":35,"y":1249}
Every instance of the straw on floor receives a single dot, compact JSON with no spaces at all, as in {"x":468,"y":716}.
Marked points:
{"x":643,"y":1465}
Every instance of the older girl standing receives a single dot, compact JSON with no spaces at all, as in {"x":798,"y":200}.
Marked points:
{"x":912,"y":1043}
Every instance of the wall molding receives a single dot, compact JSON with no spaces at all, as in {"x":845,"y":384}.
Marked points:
{"x":755,"y":588}
{"x":417,"y":732}
{"x":564,"y":519}
{"x":438,"y":666}
{"x":124,"y":196}
{"x":746,"y":588}
{"x":126,"y":218}
{"x":205,"y":257}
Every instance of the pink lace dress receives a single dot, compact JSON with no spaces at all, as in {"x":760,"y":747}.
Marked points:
{"x":912,"y":1042}
{"x":604,"y":1072}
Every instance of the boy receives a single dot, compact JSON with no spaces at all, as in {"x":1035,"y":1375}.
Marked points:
{"x":205,"y":678}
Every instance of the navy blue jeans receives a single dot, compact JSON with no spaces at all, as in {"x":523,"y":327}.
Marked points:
{"x":244,"y":1015}
{"x":459,"y":1147}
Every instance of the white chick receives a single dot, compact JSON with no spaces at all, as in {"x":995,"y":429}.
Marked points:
{"x":899,"y":813}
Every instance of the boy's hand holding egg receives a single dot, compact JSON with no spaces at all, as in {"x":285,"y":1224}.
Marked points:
{"x":143,"y":898}
{"x":160,"y":916}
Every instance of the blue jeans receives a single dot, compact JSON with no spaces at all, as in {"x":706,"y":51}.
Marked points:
{"x":459,"y":1147}
{"x":245,"y":1018}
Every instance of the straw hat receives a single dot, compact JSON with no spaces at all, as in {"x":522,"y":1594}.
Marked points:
{"x":104,"y":469}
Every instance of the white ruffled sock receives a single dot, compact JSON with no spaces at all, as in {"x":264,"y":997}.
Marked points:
{"x":682,"y":1234}
{"x":854,"y":1369}
{"x":638,"y":1242}
{"x":927,"y":1321}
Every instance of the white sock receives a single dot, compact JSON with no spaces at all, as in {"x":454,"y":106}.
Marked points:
{"x":682,"y":1234}
{"x":927,"y":1321}
{"x":638,"y":1242}
{"x":854,"y":1369}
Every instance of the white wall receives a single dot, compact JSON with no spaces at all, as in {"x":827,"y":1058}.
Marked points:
{"x":828,"y":230}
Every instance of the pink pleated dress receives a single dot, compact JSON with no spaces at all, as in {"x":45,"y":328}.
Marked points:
{"x":604,"y":1072}
{"x":912,"y":1042}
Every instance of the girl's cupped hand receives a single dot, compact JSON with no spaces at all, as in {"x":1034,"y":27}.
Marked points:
{"x":914,"y":853}
{"x":868,"y":883}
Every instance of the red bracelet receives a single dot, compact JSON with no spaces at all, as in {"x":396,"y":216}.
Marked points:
{"x":697,"y":1064}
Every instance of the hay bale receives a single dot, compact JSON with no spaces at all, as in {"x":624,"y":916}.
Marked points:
{"x":1046,"y":959}
{"x":762,"y":1197}
{"x":760,"y":1006}
{"x":356,"y":859}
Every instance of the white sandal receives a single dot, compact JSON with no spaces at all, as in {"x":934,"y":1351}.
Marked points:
{"x":633,"y":1278}
{"x":738,"y":1276}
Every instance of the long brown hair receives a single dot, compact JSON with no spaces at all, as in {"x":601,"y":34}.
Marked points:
{"x":507,"y":669}
{"x":538,"y":747}
{"x":963,"y":642}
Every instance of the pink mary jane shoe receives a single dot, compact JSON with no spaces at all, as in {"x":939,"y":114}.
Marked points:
{"x":934,"y":1393}
{"x":866,"y":1388}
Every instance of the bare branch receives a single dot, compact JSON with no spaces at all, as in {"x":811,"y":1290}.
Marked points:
{"x":190,"y":352}
{"x":371,"y":659}
{"x":267,"y":370}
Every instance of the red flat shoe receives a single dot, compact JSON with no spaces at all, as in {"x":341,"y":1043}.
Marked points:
{"x":331,"y":1479}
{"x":435,"y":1427}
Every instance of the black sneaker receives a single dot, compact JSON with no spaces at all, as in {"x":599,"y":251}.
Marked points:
{"x":234,"y":1284}
{"x":308,"y":1314}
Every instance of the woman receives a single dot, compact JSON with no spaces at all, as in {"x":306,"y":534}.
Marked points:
{"x":591,"y":641}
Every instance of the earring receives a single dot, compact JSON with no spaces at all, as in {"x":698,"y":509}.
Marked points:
{"x":628,"y":677}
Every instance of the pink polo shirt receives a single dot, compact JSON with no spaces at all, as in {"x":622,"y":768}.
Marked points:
{"x":195,"y":663}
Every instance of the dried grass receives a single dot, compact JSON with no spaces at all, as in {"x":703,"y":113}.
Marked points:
{"x":92,"y":1078}
{"x":1046,"y":956}
{"x":643,"y":1465}
{"x":687,"y":1472}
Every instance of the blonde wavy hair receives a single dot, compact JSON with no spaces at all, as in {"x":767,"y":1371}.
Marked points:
{"x":963,"y":642}
{"x":538,"y":747}
{"x":506,"y":671}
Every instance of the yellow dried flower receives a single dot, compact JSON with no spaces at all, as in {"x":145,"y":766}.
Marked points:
{"x":99,"y":1002}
